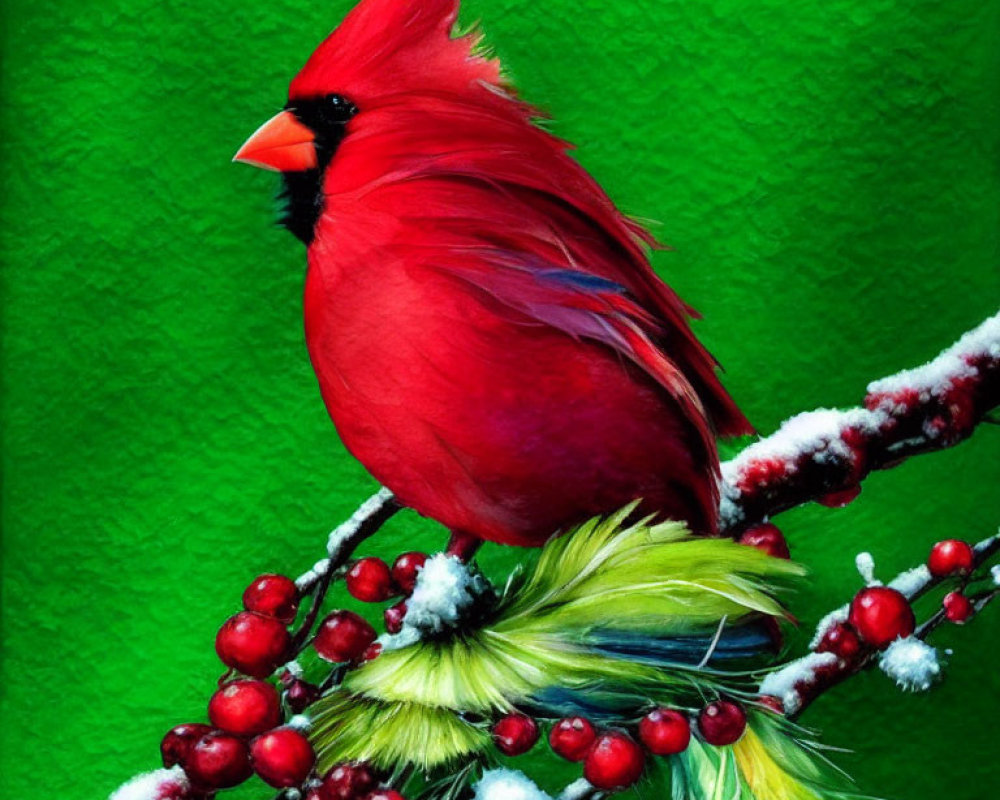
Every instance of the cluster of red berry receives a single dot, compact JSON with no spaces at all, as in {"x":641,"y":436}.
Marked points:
{"x":345,"y":637}
{"x":953,"y":557}
{"x":372,"y":581}
{"x":247,"y":733}
{"x":352,"y":782}
{"x":879,"y":615}
{"x":613,"y":759}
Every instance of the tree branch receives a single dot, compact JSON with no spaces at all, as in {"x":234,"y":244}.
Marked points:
{"x":798,"y":683}
{"x":824,"y":455}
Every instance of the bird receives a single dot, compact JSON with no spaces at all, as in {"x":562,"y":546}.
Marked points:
{"x":487,"y":330}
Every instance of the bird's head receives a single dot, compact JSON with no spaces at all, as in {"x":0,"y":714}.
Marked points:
{"x":382,"y":51}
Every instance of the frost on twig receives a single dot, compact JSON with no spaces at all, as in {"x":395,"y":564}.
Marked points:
{"x":368,"y":518}
{"x":823,"y":455}
{"x":909,"y":661}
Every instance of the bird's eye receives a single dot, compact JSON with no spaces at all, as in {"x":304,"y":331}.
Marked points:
{"x":327,"y":113}
{"x":343,"y":105}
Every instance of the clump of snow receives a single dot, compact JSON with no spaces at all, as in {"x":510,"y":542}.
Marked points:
{"x":160,"y":784}
{"x":446,"y":589}
{"x":782,"y":683}
{"x":300,"y":722}
{"x":937,"y":377}
{"x":911,"y":663}
{"x":730,"y":512}
{"x":446,"y":593}
{"x":995,"y":574}
{"x":507,"y":784}
{"x":812,"y":432}
{"x":912,"y":581}
{"x":835,"y":617}
{"x":865,"y":563}
{"x":580,"y":789}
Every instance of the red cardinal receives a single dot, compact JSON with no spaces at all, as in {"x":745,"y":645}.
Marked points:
{"x":489,"y":336}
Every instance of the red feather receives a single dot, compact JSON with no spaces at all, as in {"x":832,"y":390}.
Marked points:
{"x":489,"y":336}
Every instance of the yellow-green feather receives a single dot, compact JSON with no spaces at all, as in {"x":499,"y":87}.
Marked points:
{"x":772,"y":761}
{"x":351,"y":728}
{"x":606,"y":575}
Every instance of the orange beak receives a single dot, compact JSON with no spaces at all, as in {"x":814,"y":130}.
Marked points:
{"x":282,"y":144}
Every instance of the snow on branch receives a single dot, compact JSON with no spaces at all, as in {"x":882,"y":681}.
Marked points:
{"x":911,"y":663}
{"x":824,"y":455}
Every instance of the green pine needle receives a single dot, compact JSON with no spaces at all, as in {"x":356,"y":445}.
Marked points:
{"x":352,"y":728}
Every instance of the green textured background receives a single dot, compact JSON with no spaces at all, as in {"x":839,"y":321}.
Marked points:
{"x":827,"y":172}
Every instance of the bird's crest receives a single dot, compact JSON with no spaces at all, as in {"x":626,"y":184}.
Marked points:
{"x":391,"y":47}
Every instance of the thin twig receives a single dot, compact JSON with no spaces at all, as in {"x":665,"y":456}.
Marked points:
{"x":801,"y":681}
{"x":369,"y":517}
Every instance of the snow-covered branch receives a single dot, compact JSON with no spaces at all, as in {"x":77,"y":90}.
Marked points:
{"x":839,"y":651}
{"x":341,"y":544}
{"x":824,"y":455}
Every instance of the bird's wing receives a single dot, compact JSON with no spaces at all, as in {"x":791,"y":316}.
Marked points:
{"x":481,"y":173}
{"x":588,"y":307}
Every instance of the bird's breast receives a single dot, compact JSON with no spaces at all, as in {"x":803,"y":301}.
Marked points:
{"x":480,"y":419}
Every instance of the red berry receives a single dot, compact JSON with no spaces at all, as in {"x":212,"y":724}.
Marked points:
{"x":880,"y":615}
{"x":571,"y":738}
{"x":950,"y":557}
{"x":393,"y":617}
{"x":614,"y":761}
{"x":385,"y":794}
{"x":957,"y":607}
{"x":218,"y":761}
{"x":515,"y":734}
{"x":404,"y":570}
{"x":772,"y":703}
{"x":842,"y":640}
{"x":722,"y":722}
{"x":373,"y":651}
{"x":842,"y":498}
{"x":370,"y":580}
{"x":300,"y":695}
{"x":343,"y":636}
{"x":245,"y":708}
{"x":665,"y":732}
{"x":282,"y":757}
{"x":348,"y":782}
{"x":179,"y":740}
{"x":767,"y":537}
{"x":253,"y":644}
{"x":273,"y":596}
